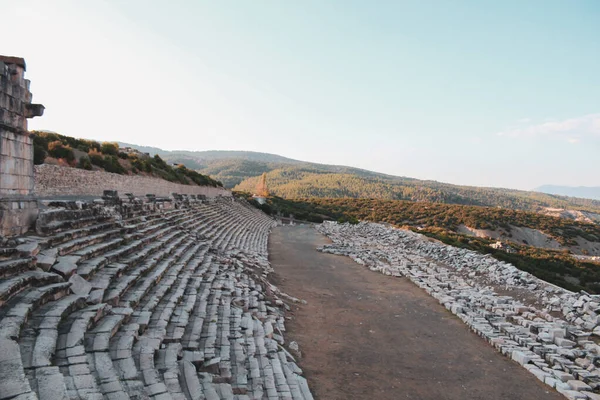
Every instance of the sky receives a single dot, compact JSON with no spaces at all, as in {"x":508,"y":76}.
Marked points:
{"x":503,"y":94}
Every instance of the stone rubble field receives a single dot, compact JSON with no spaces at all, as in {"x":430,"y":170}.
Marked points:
{"x":548,"y":330}
{"x":125,"y":298}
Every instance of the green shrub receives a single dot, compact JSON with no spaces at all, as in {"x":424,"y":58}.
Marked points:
{"x":57,"y":150}
{"x":96,"y":158}
{"x":109,"y":148}
{"x":111,"y":164}
{"x":85,"y":163}
{"x":39,"y":154}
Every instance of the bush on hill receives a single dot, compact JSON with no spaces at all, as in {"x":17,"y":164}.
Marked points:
{"x":107,"y":156}
{"x":109,"y":148}
{"x":58,"y":150}
{"x":85,"y":163}
{"x":39,"y":154}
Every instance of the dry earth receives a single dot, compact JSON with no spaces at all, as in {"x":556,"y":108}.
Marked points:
{"x":364,"y":335}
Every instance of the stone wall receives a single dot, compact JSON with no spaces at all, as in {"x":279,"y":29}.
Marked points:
{"x":53,"y":180}
{"x":16,"y":164}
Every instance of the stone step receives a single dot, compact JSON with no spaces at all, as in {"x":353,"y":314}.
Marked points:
{"x":168,"y":363}
{"x":143,"y":286}
{"x":189,"y":315}
{"x":65,"y":236}
{"x":70,"y":353}
{"x":126,"y":365}
{"x":85,"y":241}
{"x":189,"y":381}
{"x":116,"y":291}
{"x":88,"y":268}
{"x":107,"y":376}
{"x":96,"y":249}
{"x":40,"y":335}
{"x":13,"y":382}
{"x":12,"y":286}
{"x":38,"y":343}
{"x":17,"y":310}
{"x":159,"y":241}
{"x":144,"y":351}
{"x":13,"y":267}
{"x":121,"y":347}
{"x":56,"y":220}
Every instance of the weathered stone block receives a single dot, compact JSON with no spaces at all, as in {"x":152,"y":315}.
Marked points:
{"x":79,"y":285}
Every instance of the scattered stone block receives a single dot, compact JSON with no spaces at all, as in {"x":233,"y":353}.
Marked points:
{"x":28,"y":249}
{"x":79,"y":285}
{"x":66,"y":266}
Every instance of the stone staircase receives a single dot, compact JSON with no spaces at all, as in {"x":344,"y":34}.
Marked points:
{"x":127,"y":299}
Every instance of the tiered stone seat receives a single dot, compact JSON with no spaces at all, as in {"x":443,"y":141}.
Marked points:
{"x":130,"y":299}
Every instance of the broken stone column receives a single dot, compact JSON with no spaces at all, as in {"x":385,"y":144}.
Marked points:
{"x":18,"y":208}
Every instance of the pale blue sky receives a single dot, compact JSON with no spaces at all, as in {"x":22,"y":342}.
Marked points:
{"x":503,"y":93}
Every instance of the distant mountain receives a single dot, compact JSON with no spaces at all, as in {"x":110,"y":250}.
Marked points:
{"x":586,"y":192}
{"x":299,"y":179}
{"x":212,"y":155}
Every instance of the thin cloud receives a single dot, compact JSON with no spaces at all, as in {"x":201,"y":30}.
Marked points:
{"x":572,"y":130}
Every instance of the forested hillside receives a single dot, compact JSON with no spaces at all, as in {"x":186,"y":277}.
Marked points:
{"x":298,"y":182}
{"x":297,"y":179}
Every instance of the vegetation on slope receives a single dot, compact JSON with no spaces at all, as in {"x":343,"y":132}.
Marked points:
{"x":440,"y":221}
{"x":302,"y":182}
{"x":107,"y":156}
{"x":290,"y":179}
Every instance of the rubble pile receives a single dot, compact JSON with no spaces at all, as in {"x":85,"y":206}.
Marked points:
{"x":127,"y":298}
{"x":550,"y":331}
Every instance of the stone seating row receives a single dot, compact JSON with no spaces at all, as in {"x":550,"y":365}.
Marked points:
{"x":137,"y":301}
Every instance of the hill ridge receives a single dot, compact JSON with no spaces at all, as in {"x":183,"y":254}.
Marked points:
{"x":590,"y":192}
{"x":291,"y":178}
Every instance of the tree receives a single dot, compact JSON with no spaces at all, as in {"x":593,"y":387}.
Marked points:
{"x":57,"y":150}
{"x":85,"y":163}
{"x":39,"y":154}
{"x":109,"y":148}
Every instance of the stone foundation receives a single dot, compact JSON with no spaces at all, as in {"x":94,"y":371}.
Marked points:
{"x":17,"y":215}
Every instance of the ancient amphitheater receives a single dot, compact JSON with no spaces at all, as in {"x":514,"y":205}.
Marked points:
{"x":135,"y":296}
{"x":153,"y":296}
{"x":129,"y":299}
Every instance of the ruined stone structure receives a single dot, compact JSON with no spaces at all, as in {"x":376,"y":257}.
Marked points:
{"x":128,"y":298}
{"x":17,"y":207}
{"x":552,"y":332}
{"x":141,"y":296}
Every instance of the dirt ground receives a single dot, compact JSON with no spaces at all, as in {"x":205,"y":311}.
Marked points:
{"x":364,"y":335}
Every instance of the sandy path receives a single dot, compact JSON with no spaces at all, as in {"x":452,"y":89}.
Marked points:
{"x":367,"y":336}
